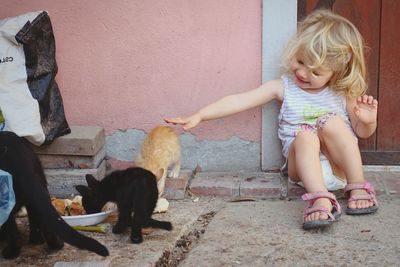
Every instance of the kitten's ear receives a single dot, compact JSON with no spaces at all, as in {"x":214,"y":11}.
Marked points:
{"x":91,"y":181}
{"x":82,"y":189}
{"x":159,"y":174}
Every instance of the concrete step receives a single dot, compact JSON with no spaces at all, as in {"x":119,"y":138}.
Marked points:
{"x":82,"y":141}
{"x":61,"y":182}
{"x":69,"y":158}
{"x":268,"y":185}
{"x":72,"y":161}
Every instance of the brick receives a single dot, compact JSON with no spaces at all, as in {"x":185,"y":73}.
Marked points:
{"x":260,"y":186}
{"x":295,"y":191}
{"x":215,"y":184}
{"x":175,"y":187}
{"x":72,"y":162}
{"x":82,"y":141}
{"x":61,"y":182}
{"x":115,"y":164}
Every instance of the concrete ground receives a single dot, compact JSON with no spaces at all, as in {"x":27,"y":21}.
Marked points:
{"x":246,"y":230}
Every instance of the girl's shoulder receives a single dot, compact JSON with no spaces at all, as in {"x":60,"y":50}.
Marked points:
{"x":289,"y":86}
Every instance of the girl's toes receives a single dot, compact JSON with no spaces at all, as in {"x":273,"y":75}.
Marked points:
{"x":361,"y":204}
{"x":352,"y":205}
{"x":367,"y":204}
{"x":322,"y":216}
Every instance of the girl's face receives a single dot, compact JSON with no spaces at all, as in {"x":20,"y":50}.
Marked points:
{"x":306,"y":78}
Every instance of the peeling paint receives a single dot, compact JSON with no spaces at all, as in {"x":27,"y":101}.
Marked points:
{"x":233,"y":154}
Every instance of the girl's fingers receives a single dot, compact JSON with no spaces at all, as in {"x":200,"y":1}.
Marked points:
{"x":365,"y":99}
{"x":188,"y":126}
{"x":175,"y":121}
{"x":370,"y":99}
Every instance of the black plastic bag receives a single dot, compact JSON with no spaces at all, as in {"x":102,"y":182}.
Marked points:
{"x":37,"y":41}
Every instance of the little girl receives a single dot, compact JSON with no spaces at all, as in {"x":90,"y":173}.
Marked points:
{"x":324,"y":107}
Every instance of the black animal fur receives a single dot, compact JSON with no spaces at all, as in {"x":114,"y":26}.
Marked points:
{"x":134,"y":190}
{"x":30,"y":187}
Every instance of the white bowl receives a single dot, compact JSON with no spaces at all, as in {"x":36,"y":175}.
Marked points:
{"x":85,"y":220}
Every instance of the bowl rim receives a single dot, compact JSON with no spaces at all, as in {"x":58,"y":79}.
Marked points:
{"x":84,"y":216}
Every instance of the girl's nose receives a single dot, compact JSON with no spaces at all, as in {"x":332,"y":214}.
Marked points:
{"x":302,"y":73}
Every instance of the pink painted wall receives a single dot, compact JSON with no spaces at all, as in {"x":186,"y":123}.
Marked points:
{"x":129,"y":63}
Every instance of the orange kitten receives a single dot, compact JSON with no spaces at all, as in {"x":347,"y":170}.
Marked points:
{"x":161,"y":150}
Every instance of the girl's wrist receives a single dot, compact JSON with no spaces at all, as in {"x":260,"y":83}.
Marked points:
{"x":199,"y":116}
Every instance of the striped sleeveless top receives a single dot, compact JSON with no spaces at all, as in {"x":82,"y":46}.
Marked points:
{"x":300,"y":110}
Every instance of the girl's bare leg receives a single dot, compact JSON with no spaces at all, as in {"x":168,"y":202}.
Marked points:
{"x":304,"y":165}
{"x":339,"y":144}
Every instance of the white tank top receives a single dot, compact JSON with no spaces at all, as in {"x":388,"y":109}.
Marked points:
{"x":300,"y":110}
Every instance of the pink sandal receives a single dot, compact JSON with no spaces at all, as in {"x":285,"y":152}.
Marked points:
{"x":333,"y":215}
{"x":370,"y":197}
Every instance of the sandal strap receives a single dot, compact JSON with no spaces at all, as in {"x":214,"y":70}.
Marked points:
{"x":367,"y":186}
{"x":363,"y":197}
{"x":312,"y":197}
{"x":315,"y":195}
{"x":310,"y":210}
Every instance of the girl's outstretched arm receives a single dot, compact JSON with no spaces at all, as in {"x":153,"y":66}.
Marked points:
{"x":363,"y":115}
{"x":233,"y":104}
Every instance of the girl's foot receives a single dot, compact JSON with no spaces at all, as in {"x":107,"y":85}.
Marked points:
{"x":319,"y":204}
{"x":362,"y":198}
{"x":323,"y":210}
{"x":361,"y":203}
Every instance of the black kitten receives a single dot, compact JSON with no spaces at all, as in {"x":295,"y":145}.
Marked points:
{"x":30,"y":187}
{"x":134,"y":190}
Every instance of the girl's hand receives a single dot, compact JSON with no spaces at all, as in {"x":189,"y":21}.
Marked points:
{"x":366,"y":109}
{"x":188,"y":122}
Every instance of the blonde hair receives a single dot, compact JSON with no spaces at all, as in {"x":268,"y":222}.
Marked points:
{"x":329,"y":40}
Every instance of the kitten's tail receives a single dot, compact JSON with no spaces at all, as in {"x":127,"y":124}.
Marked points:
{"x":160,"y":224}
{"x":40,"y":201}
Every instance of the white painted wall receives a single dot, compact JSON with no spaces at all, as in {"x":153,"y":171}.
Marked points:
{"x":279,"y":25}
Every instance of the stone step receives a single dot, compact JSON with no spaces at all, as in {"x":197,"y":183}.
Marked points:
{"x":61,"y":182}
{"x":72,"y":161}
{"x":260,"y":185}
{"x":235,"y":184}
{"x":82,"y":141}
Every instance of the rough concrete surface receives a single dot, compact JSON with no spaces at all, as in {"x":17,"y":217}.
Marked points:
{"x":269,"y":233}
{"x":243,"y":233}
{"x":182,"y":214}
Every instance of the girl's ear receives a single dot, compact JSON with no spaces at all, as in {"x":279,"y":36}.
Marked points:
{"x":83,"y":190}
{"x":91,"y":181}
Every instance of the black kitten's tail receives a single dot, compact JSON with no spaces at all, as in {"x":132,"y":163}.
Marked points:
{"x":160,"y":224}
{"x":40,"y":200}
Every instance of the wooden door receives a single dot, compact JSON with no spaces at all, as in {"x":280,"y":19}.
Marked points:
{"x":378,"y":22}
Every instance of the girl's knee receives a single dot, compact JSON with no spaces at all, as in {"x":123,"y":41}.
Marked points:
{"x":306,"y":138}
{"x":329,"y":123}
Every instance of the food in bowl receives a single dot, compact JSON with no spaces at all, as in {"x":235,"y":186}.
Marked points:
{"x":68,"y":207}
{"x":74,"y":214}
